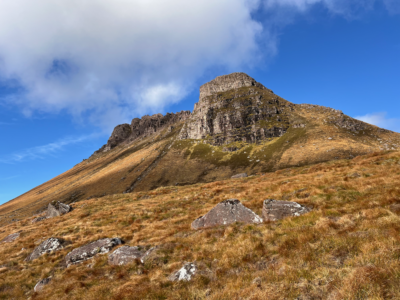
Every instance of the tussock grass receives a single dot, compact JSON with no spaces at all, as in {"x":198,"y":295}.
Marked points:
{"x":348,"y":247}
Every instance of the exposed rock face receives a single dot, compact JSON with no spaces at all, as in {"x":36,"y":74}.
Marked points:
{"x":225,"y":213}
{"x":126,"y":255}
{"x":41,"y":284}
{"x":119,"y":134}
{"x":88,"y":251}
{"x":48,"y":246}
{"x":241,"y":175}
{"x":11,"y":238}
{"x":228,"y":82}
{"x":237,"y":108}
{"x":56,"y":209}
{"x":140,"y":128}
{"x":274,"y":210}
{"x":185,"y":273}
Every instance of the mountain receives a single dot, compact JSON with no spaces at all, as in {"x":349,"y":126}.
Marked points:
{"x":237,"y":126}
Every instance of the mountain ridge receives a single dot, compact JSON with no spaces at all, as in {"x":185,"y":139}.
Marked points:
{"x":238,"y":126}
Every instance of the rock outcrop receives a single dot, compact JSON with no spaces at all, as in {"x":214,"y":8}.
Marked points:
{"x":274,"y":210}
{"x":41,"y":284}
{"x":226,"y":83}
{"x":88,"y":251}
{"x":140,"y":128}
{"x":225,"y":213}
{"x":11,"y":238}
{"x":185,"y":273}
{"x":235,"y":108}
{"x":56,"y":209}
{"x":48,"y":246}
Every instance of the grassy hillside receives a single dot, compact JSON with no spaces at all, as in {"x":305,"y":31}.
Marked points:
{"x":164,"y":160}
{"x":346,"y":248}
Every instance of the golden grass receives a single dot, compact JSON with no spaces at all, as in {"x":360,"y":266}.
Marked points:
{"x":348,"y":247}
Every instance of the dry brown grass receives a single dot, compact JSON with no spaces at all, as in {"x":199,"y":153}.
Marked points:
{"x":190,"y":161}
{"x":348,"y":247}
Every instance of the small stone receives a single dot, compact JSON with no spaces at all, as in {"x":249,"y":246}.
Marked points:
{"x":185,"y":273}
{"x":11,"y":238}
{"x":241,"y":175}
{"x":38,"y":219}
{"x":355,"y":175}
{"x":41,"y":284}
{"x":257,"y":282}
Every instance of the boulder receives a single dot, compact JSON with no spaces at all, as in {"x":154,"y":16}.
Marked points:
{"x":185,"y":273}
{"x":11,"y":238}
{"x":126,"y":255}
{"x":88,"y":251}
{"x":48,"y":246}
{"x":241,"y":175}
{"x":56,"y":209}
{"x":41,"y":284}
{"x":274,"y":210}
{"x":225,"y":213}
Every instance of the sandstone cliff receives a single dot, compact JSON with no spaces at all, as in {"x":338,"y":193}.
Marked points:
{"x":236,"y":108}
{"x":141,"y":128}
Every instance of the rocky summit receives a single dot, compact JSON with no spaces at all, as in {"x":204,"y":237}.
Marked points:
{"x":238,"y":126}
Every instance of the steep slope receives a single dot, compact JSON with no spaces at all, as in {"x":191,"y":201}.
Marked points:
{"x":347,"y":247}
{"x":237,"y":126}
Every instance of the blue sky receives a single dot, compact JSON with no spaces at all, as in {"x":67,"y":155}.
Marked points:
{"x":72,"y":70}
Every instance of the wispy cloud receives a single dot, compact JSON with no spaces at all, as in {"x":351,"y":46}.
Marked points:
{"x":380,"y":119}
{"x":9,"y":178}
{"x":41,"y":152}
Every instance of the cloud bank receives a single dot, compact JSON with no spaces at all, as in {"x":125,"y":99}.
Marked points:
{"x":109,"y":60}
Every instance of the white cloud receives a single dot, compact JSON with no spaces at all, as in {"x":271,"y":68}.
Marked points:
{"x":109,"y":60}
{"x":380,"y":119}
{"x":40,"y":152}
{"x":103,"y":55}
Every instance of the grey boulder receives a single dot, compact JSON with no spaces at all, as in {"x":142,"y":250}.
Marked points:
{"x":88,"y":251}
{"x":225,"y":213}
{"x":56,"y":209}
{"x":186,"y":273}
{"x":126,"y":255}
{"x":41,"y":284}
{"x":11,"y":238}
{"x":241,"y":175}
{"x":274,"y":210}
{"x":48,"y":246}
